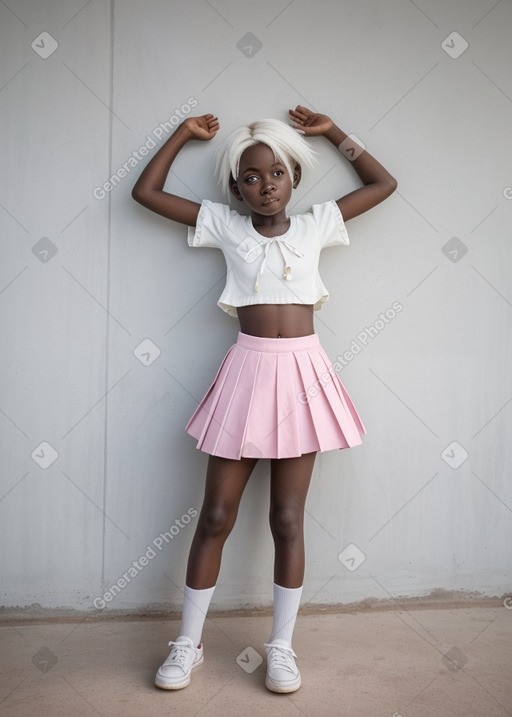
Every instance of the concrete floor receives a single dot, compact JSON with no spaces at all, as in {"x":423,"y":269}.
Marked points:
{"x":388,"y":663}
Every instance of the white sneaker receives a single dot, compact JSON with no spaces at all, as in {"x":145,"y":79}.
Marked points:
{"x":282,"y":673}
{"x":174,"y":674}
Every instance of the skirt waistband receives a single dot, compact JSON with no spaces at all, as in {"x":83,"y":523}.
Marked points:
{"x":279,"y":345}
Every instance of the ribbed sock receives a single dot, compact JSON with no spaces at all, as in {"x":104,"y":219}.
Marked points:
{"x":286,"y":607}
{"x":195,"y":607}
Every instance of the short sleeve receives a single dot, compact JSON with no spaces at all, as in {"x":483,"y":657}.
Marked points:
{"x":213,"y":221}
{"x":330,"y":224}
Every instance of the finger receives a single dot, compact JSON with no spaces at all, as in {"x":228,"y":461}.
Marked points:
{"x":303,"y":110}
{"x":298,"y":128}
{"x":298,"y":123}
{"x":297,"y":112}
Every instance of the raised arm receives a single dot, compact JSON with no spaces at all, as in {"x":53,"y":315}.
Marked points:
{"x":378,"y":182}
{"x":148,"y":188}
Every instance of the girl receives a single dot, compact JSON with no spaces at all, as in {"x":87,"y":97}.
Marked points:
{"x":259,"y":405}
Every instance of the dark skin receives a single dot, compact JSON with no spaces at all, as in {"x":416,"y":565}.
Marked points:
{"x":265,"y":187}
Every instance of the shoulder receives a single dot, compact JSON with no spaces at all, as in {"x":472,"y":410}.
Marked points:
{"x":217,"y":225}
{"x":220,"y":214}
{"x":323,"y":209}
{"x":327,"y":220}
{"x":219,"y":209}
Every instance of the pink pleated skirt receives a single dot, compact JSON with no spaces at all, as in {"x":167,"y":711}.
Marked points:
{"x":275,"y":398}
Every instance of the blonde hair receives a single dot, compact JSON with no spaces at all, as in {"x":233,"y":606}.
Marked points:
{"x":288,"y":146}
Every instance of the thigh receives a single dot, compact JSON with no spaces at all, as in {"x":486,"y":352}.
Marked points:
{"x":226,"y":480}
{"x":290,"y":479}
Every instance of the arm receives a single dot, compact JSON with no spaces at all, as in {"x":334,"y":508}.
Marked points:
{"x":378,"y":182}
{"x":148,"y":188}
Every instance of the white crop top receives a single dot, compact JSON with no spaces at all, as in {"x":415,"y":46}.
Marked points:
{"x":270,"y":270}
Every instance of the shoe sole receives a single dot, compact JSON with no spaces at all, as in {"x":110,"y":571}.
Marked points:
{"x":177,"y":685}
{"x":282,"y":689}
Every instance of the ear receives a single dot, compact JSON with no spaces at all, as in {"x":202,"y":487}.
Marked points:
{"x":297,"y":175}
{"x":234,"y":189}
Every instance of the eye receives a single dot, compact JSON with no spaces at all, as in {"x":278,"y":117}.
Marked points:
{"x":251,"y":179}
{"x":278,"y":172}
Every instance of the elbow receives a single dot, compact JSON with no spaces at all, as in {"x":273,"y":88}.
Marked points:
{"x":391,"y":185}
{"x":137,"y":195}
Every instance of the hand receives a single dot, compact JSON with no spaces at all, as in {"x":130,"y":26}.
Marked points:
{"x":310,"y":123}
{"x":203,"y":128}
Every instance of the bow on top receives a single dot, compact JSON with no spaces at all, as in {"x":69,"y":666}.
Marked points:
{"x":280,"y":243}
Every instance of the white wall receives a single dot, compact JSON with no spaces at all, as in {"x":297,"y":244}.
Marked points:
{"x":434,"y":374}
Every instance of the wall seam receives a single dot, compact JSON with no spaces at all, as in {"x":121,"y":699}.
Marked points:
{"x":107,"y":323}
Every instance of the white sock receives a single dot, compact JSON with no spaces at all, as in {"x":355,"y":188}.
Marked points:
{"x":286,"y":607}
{"x":195,"y":607}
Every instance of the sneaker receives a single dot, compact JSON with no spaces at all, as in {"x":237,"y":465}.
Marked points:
{"x":282,"y":673}
{"x":174,"y":674}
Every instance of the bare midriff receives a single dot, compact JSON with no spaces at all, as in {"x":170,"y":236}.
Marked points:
{"x":276,"y":320}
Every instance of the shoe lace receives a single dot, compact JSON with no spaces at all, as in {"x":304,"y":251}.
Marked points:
{"x":179,"y":652}
{"x":280,"y":656}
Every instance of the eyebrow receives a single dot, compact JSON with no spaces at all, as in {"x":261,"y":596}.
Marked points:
{"x":255,"y":169}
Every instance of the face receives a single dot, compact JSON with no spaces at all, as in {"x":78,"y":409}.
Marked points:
{"x":263,"y":182}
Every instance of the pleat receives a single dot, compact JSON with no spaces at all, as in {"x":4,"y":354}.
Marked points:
{"x":329,"y":408}
{"x":209,"y":422}
{"x":260,"y":436}
{"x":288,"y":433}
{"x":208,"y":402}
{"x":306,"y":377}
{"x":260,"y":403}
{"x":235,"y":407}
{"x":344,"y":396}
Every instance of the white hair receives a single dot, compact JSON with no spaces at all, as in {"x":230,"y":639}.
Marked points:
{"x":288,"y":146}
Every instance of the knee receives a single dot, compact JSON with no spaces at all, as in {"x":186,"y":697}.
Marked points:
{"x":286,"y":523}
{"x":215,"y":521}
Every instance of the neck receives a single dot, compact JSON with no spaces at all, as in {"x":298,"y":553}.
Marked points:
{"x":263,"y":220}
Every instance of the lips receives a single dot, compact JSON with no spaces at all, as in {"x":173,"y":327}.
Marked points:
{"x":270,"y":201}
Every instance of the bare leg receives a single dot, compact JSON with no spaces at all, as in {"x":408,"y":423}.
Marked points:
{"x":225,"y":483}
{"x":290,"y":479}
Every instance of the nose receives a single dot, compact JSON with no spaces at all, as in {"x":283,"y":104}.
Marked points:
{"x":268,"y":186}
